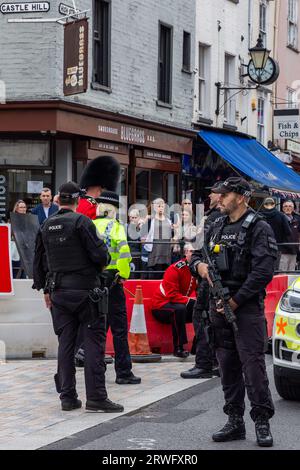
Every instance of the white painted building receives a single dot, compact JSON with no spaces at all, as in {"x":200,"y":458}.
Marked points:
{"x":225,"y":30}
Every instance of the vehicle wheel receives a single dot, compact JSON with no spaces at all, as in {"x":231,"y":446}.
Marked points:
{"x":287,"y":389}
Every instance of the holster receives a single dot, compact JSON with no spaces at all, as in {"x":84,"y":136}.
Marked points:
{"x":99,"y":297}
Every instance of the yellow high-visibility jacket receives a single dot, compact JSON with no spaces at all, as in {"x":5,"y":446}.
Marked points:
{"x":113,"y":233}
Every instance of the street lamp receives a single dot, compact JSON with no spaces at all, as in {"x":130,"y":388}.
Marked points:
{"x":259,"y":54}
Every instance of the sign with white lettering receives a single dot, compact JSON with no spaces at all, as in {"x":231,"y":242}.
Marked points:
{"x":3,"y":197}
{"x":65,"y":9}
{"x":286,"y":124}
{"x":33,"y":7}
{"x":76,"y":57}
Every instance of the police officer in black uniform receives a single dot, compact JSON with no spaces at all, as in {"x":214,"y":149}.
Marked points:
{"x":245,"y":252}
{"x":69,"y":259}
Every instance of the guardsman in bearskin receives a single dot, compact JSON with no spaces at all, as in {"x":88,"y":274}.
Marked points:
{"x":101,"y":173}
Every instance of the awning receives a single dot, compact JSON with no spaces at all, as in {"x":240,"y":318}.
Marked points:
{"x":253,"y":159}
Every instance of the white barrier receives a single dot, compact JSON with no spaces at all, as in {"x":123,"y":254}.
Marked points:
{"x":25,"y":324}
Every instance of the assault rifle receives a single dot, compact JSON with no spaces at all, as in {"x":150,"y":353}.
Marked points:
{"x":219,"y":292}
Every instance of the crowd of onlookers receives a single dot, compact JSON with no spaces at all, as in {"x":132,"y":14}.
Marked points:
{"x":157,"y":238}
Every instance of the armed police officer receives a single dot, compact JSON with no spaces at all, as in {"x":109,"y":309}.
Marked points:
{"x":243,"y":248}
{"x":69,"y":257}
{"x":117,"y":271}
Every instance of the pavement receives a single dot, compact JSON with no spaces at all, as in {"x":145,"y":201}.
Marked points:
{"x":30,"y":413}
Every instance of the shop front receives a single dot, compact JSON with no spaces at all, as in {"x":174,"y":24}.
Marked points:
{"x":218,"y":154}
{"x":43,"y":144}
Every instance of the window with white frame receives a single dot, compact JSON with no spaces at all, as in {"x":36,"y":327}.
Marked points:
{"x":263,"y":21}
{"x":261,"y":120}
{"x":229,"y":101}
{"x":293,"y":23}
{"x":291,"y":98}
{"x":203,"y":81}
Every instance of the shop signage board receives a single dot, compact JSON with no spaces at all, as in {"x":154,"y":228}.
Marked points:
{"x":25,"y":7}
{"x":76,"y":57}
{"x":286,"y":124}
{"x":293,"y":146}
{"x":6,"y":283}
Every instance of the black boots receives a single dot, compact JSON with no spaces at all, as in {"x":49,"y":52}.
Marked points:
{"x":107,"y":406}
{"x":233,"y":430}
{"x":68,"y":405}
{"x":263,"y":434}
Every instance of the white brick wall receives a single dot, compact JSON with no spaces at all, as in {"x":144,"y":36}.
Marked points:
{"x":31,"y":59}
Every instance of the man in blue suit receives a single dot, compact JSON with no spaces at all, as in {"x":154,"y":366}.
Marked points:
{"x":46,"y":208}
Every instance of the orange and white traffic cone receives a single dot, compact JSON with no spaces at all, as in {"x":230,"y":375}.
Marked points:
{"x":137,"y":338}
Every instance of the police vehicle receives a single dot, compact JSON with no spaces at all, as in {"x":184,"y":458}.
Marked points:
{"x":286,"y":343}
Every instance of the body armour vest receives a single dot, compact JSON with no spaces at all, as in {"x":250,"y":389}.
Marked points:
{"x":234,"y":239}
{"x":63,"y":246}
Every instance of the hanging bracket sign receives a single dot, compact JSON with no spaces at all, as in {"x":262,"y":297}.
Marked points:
{"x":76,"y":57}
{"x":32,"y":7}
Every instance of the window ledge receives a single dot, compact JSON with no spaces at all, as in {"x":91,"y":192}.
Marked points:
{"x":163,"y":105}
{"x":229,"y":127}
{"x":204,"y":120}
{"x":189,"y":72}
{"x":293,"y":48}
{"x":99,"y":87}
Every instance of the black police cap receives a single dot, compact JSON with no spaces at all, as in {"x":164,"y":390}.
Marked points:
{"x":109,"y":197}
{"x":69,"y":190}
{"x":234,"y":184}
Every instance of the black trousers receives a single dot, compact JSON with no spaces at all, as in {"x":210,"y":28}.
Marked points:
{"x":117,"y":321}
{"x":242,"y":361}
{"x":71,"y":309}
{"x":178,"y":315}
{"x":205,"y":352}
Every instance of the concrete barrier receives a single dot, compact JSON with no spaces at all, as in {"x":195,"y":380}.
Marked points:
{"x":25,"y":323}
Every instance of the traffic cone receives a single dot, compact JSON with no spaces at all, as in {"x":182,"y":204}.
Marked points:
{"x":137,"y":338}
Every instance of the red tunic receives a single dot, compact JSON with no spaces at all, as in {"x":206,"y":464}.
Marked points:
{"x":177,"y":286}
{"x":87,"y":207}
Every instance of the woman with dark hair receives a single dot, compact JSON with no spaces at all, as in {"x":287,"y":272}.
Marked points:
{"x":20,"y":207}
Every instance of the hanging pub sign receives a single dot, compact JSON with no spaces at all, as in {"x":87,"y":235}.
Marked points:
{"x":76,"y":57}
{"x":286,"y":124}
{"x":30,"y":7}
{"x":6,"y":285}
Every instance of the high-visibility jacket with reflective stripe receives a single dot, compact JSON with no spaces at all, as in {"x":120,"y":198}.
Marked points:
{"x":113,"y":233}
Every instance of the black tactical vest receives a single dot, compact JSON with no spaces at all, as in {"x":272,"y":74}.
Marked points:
{"x":237,"y":240}
{"x":64,"y":250}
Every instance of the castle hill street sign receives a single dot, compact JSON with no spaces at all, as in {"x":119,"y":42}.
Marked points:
{"x":32,"y":7}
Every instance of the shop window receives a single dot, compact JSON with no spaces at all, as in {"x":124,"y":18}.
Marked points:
{"x":157,"y":185}
{"x":172,"y":189}
{"x":142,"y":186}
{"x":101,"y":43}
{"x":165,"y":64}
{"x":24,"y":152}
{"x":122,"y":185}
{"x":25,"y":184}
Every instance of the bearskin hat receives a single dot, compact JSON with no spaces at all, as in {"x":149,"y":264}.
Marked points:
{"x":102,"y":171}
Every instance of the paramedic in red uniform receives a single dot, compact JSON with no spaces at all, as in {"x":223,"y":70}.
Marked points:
{"x":174,"y":299}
